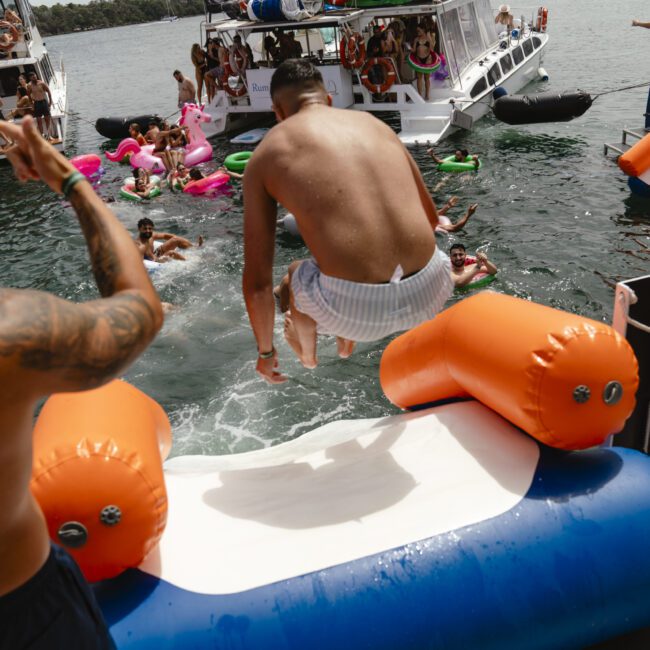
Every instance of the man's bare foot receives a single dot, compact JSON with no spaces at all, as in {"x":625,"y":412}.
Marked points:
{"x":345,"y":347}
{"x":199,"y":241}
{"x":281,"y":296}
{"x":292,"y":339}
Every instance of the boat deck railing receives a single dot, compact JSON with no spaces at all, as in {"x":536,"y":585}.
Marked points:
{"x":621,"y":147}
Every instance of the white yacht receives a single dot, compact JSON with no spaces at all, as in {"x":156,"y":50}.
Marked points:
{"x":478,"y":58}
{"x":29,"y":54}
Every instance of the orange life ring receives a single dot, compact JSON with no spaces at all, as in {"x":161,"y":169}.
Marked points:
{"x":389,"y":74}
{"x":542,"y":18}
{"x":228,"y":71}
{"x":14,"y":35}
{"x":353,"y":51}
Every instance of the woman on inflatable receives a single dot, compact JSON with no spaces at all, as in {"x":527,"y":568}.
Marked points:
{"x":424,"y":53}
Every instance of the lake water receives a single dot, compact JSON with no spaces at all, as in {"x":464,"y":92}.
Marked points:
{"x":554,"y":214}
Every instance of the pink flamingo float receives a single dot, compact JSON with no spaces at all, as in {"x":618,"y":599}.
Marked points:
{"x":197,"y":151}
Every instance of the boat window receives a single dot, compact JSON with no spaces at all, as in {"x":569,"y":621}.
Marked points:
{"x":494,"y":74}
{"x":506,"y":63}
{"x":528,"y":47}
{"x":537,"y":41}
{"x":486,"y":21}
{"x":479,"y":87}
{"x":517,"y":55}
{"x":471,"y":31}
{"x":8,"y":81}
{"x":453,"y":42}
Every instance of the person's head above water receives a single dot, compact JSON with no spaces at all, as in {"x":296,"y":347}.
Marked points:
{"x":457,"y":255}
{"x":195,"y":174}
{"x":297,"y":83}
{"x":461,"y":154}
{"x":145,"y":225}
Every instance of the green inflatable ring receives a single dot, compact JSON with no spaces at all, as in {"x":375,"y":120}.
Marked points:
{"x":236,"y":162}
{"x":126,"y":193}
{"x":477,"y":284}
{"x":450,"y":164}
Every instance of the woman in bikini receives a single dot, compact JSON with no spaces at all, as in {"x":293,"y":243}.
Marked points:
{"x":24,"y":104}
{"x":200,"y":62}
{"x":423,"y":48}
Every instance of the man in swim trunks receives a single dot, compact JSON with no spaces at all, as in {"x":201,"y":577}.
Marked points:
{"x":167,"y":251}
{"x":464,"y":269}
{"x":364,"y":213}
{"x":50,"y":345}
{"x":186,"y":89}
{"x":38,"y":90}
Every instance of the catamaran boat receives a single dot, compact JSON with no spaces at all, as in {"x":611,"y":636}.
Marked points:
{"x":25,"y":54}
{"x":472,"y":58}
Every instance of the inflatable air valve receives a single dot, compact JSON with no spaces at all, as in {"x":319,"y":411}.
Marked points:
{"x":566,"y":380}
{"x":98,"y":475}
{"x":636,"y":160}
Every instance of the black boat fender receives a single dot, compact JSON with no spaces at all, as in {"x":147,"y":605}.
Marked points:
{"x":117,"y":128}
{"x":544,"y":107}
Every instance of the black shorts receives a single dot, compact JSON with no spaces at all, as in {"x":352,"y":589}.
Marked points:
{"x":54,"y":609}
{"x":41,"y":108}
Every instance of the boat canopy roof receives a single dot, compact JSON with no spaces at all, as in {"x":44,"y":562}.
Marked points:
{"x":318,"y":21}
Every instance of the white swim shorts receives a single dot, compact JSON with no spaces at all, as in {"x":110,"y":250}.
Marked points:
{"x":369,"y":312}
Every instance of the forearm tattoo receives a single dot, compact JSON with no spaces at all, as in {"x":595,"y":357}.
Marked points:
{"x":105,"y":263}
{"x":87,"y":343}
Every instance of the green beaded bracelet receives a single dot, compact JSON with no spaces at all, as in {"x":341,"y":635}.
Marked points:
{"x":69,"y":182}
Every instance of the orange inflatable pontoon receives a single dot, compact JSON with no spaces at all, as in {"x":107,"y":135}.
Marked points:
{"x":98,"y":475}
{"x":566,"y":380}
{"x":636,"y":160}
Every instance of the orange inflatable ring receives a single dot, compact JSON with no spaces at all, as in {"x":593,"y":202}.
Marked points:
{"x":14,"y":34}
{"x":353,"y":51}
{"x":228,"y":72}
{"x":98,"y":475}
{"x":566,"y":380}
{"x":636,"y":160}
{"x":389,"y":74}
{"x":542,"y":19}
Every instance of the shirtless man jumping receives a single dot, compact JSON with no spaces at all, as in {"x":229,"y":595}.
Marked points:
{"x":38,"y":90}
{"x":364,"y":213}
{"x":50,"y":345}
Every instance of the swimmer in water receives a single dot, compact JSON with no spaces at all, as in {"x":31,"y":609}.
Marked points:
{"x":167,"y":251}
{"x":464,"y":269}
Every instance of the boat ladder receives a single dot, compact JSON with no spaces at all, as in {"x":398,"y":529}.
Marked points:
{"x":621,"y":147}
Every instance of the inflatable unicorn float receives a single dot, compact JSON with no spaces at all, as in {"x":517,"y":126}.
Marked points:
{"x":197,"y":151}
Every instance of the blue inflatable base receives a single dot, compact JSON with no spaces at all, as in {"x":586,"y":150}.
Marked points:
{"x":567,"y":567}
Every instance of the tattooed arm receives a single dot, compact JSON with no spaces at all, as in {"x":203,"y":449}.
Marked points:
{"x":65,"y":346}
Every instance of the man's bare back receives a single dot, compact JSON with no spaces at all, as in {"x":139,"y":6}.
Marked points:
{"x":350,"y":184}
{"x":364,"y":212}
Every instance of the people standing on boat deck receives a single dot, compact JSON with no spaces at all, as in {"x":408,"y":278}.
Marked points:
{"x":366,"y":218}
{"x":23,"y":100}
{"x":373,"y":46}
{"x":186,"y":90}
{"x":423,"y":50}
{"x":464,"y":268}
{"x":147,"y":236}
{"x":238,"y":57}
{"x":460,"y":224}
{"x":504,"y":17}
{"x":200,"y":63}
{"x":460,"y":155}
{"x":51,"y":345}
{"x":42,"y":99}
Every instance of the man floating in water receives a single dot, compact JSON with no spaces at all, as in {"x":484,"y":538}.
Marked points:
{"x":464,"y":269}
{"x":166,"y":251}
{"x":50,"y":345}
{"x":364,"y":213}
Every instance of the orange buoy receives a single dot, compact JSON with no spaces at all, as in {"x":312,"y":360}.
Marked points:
{"x":566,"y":380}
{"x":636,"y":159}
{"x":98,"y":475}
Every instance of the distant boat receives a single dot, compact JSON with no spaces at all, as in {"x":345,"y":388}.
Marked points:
{"x":170,"y":17}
